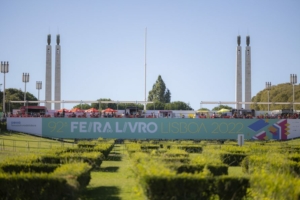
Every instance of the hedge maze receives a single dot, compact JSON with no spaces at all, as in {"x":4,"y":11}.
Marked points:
{"x":199,"y":170}
{"x":60,"y":173}
{"x":175,"y":170}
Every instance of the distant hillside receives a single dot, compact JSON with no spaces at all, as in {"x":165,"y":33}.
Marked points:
{"x":278,"y":93}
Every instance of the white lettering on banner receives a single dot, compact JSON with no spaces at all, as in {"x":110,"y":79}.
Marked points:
{"x":155,"y":127}
{"x":74,"y":125}
{"x":117,"y":128}
{"x":97,"y":127}
{"x":82,"y":126}
{"x":132,"y":129}
{"x":107,"y":128}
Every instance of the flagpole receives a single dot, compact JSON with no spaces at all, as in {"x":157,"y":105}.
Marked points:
{"x":145,"y":104}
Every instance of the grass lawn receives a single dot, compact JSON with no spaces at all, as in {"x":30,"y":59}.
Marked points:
{"x":114,"y":180}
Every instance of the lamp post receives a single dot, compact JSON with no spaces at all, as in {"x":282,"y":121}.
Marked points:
{"x":25,"y":79}
{"x":38,"y":87}
{"x":268,"y":87}
{"x":293,"y":79}
{"x":4,"y":70}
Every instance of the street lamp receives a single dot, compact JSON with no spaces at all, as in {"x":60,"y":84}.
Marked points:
{"x":268,"y":87}
{"x":293,"y":79}
{"x":25,"y":79}
{"x":4,"y":70}
{"x":38,"y":87}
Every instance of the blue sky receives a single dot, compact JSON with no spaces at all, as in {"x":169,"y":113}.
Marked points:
{"x":191,"y":44}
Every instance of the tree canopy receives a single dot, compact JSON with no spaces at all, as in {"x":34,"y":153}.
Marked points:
{"x":12,"y":94}
{"x":278,"y":93}
{"x":159,"y":92}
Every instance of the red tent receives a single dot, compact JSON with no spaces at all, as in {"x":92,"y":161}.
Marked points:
{"x":63,"y":109}
{"x":92,"y":110}
{"x":109,"y":110}
{"x":76,"y":110}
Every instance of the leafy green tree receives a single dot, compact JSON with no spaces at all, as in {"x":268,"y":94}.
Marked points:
{"x":203,"y":109}
{"x":177,"y":105}
{"x":116,"y":106}
{"x":156,"y":105}
{"x":278,"y":93}
{"x":12,"y":94}
{"x":159,"y":92}
{"x":221,"y":107}
{"x":83,"y":106}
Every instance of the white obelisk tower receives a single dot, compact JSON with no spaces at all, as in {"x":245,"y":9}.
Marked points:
{"x":238,"y":89}
{"x":248,"y":73}
{"x":48,"y":90}
{"x":57,"y":92}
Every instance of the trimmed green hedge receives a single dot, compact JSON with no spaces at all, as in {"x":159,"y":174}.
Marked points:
{"x":27,"y":167}
{"x":232,"y":159}
{"x":191,"y":148}
{"x":216,"y":170}
{"x":93,"y":158}
{"x":35,"y":187}
{"x":195,"y":188}
{"x":65,"y":183}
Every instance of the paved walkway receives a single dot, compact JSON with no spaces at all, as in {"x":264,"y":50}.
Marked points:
{"x":115,"y":179}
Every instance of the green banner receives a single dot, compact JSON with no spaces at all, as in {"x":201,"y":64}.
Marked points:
{"x":161,"y":128}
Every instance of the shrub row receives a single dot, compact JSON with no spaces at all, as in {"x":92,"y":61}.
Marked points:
{"x":93,"y":158}
{"x":28,"y":167}
{"x":216,"y":170}
{"x":193,"y":188}
{"x":64,"y":183}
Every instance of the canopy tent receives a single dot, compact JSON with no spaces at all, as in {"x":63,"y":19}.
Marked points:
{"x":223,"y":110}
{"x":76,"y":110}
{"x":109,"y":110}
{"x":63,"y":110}
{"x":92,"y":110}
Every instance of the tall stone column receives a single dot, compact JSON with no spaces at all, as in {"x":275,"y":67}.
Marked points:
{"x":57,"y":92}
{"x":48,"y":91}
{"x":238,"y":84}
{"x":248,"y":73}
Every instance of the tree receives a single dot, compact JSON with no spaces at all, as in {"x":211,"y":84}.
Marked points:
{"x":177,"y":105}
{"x":278,"y":93}
{"x":12,"y":94}
{"x":203,"y":109}
{"x":83,"y":106}
{"x":156,"y":105}
{"x":116,"y":106}
{"x":159,"y":92}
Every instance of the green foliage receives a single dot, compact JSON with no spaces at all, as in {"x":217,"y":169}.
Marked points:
{"x":276,"y":185}
{"x":156,"y":105}
{"x":12,"y":94}
{"x":34,"y":186}
{"x":22,"y":167}
{"x":115,"y":106}
{"x":83,"y":106}
{"x":233,"y":159}
{"x":278,"y":93}
{"x":76,"y":174}
{"x":159,"y":92}
{"x":176,"y":105}
{"x":203,"y":109}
